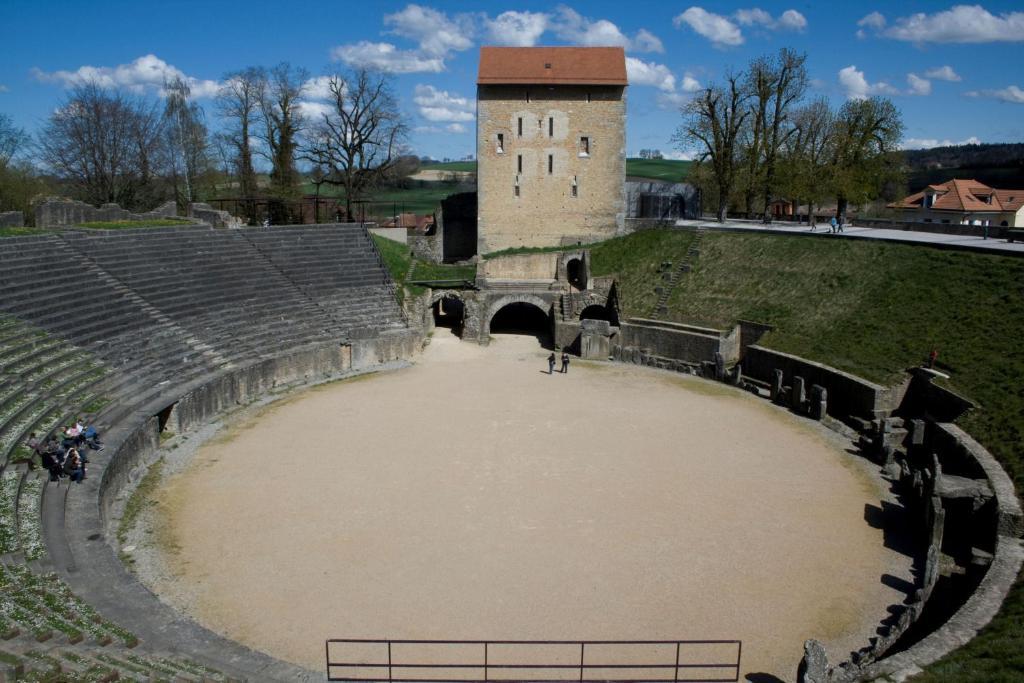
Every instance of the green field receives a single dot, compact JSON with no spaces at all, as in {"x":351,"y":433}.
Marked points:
{"x":122,"y":225}
{"x":658,"y":169}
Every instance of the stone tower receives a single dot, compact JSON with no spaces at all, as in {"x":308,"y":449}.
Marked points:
{"x":551,"y":146}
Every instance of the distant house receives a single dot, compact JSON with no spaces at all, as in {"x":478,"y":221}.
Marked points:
{"x":966,"y":202}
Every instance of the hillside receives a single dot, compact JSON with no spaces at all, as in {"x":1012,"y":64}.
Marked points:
{"x":997,"y":165}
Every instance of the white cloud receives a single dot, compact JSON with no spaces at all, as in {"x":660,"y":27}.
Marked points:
{"x":455,"y":128}
{"x":147,"y":73}
{"x":690,"y":84}
{"x":715,"y":27}
{"x":518,"y":29}
{"x":318,"y":88}
{"x":315,"y":111}
{"x":677,"y":155}
{"x":918,"y":85}
{"x":572,"y":27}
{"x":440,"y":105}
{"x":434,"y":130}
{"x":1010,"y":93}
{"x":943,"y":73}
{"x":386,"y":57}
{"x":959,"y":24}
{"x":875,"y":20}
{"x":435,"y":32}
{"x":790,"y":20}
{"x":928,"y":143}
{"x":640,"y":72}
{"x":856,"y":85}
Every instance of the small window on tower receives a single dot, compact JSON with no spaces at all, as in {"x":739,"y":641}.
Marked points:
{"x":551,"y":163}
{"x":551,"y":126}
{"x":584,"y":146}
{"x":519,"y":163}
{"x":520,"y":126}
{"x":501,"y":143}
{"x":515,"y":191}
{"x":575,"y":188}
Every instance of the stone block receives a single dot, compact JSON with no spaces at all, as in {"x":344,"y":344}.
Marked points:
{"x":814,"y":665}
{"x":776,"y":385}
{"x":719,"y":367}
{"x":917,"y":430}
{"x":797,"y":395}
{"x":596,"y":326}
{"x":818,"y":402}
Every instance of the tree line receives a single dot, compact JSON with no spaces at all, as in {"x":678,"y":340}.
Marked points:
{"x":759,"y":139}
{"x":105,"y":145}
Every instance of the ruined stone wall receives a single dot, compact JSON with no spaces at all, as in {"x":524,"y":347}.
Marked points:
{"x":60,"y":212}
{"x":670,"y":341}
{"x":554,"y":120}
{"x":12,"y":219}
{"x":213,"y":217}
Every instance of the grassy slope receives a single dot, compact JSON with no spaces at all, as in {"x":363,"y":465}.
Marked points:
{"x":658,"y":169}
{"x":872,"y":309}
{"x":151,"y":223}
{"x":452,"y":166}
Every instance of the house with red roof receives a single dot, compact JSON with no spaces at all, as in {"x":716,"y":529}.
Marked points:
{"x":964,"y":202}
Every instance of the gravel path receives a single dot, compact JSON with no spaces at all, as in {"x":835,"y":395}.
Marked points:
{"x":473,"y":496}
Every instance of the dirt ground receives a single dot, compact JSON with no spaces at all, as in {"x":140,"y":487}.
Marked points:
{"x":473,"y":496}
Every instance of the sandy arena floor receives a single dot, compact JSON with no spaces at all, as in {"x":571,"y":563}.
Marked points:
{"x":473,"y":496}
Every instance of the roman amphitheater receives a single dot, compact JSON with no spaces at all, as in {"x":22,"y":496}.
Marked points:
{"x":313,"y":473}
{"x":337,"y":468}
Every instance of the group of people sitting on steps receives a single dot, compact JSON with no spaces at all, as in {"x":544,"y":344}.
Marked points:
{"x":67,"y":457}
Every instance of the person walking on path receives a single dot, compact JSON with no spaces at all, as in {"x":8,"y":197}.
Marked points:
{"x":832,"y":225}
{"x":565,"y":363}
{"x":551,"y":363}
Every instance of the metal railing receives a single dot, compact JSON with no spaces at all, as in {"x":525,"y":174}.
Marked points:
{"x":533,"y":661}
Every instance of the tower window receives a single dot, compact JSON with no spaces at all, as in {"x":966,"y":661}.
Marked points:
{"x":515,"y":190}
{"x":575,"y":188}
{"x":584,"y":146}
{"x":501,"y":143}
{"x":551,"y":126}
{"x":519,"y":163}
{"x":551,"y":164}
{"x":520,"y":126}
{"x":527,"y":96}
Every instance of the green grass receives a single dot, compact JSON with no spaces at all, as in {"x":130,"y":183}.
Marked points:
{"x":121,"y":225}
{"x":668,"y":170}
{"x":22,"y":232}
{"x":873,"y":309}
{"x":434,"y":271}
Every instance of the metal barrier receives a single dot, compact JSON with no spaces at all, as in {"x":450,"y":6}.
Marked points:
{"x":533,"y":661}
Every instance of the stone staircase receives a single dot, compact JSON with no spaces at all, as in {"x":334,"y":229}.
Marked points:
{"x":671,"y":276}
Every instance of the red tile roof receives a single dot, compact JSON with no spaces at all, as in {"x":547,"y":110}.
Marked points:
{"x":552,"y":65}
{"x":964,"y":195}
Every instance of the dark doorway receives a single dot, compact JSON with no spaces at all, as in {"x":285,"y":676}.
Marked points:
{"x":449,"y":312}
{"x":576,"y":274}
{"x":599,"y":312}
{"x":523,"y":318}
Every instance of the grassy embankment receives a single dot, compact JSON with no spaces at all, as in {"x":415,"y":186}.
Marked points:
{"x":872,"y":309}
{"x":123,"y":225}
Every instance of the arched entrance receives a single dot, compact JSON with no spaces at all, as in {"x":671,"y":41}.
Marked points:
{"x":449,"y":311}
{"x":526,"y":316}
{"x":576,"y":274}
{"x":599,"y":312}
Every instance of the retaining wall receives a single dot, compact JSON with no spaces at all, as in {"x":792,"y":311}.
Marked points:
{"x":669,"y":341}
{"x":12,"y":219}
{"x":60,"y":212}
{"x":847,"y":394}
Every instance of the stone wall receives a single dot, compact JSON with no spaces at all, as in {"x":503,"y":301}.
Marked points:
{"x":60,"y":212}
{"x":847,"y":394}
{"x":12,"y":219}
{"x":543,"y":266}
{"x":427,"y":247}
{"x":215,"y":218}
{"x":554,"y":119}
{"x":994,"y":231}
{"x":639,"y":337}
{"x":686,"y":202}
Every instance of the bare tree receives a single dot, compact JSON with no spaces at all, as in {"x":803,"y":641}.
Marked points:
{"x":789,"y":83}
{"x":187,"y":141}
{"x":239,"y":102}
{"x":360,"y":140}
{"x":713,"y":120}
{"x":805,"y":156}
{"x":759,"y":84}
{"x":12,"y":140}
{"x":282,"y":122}
{"x":105,"y":144}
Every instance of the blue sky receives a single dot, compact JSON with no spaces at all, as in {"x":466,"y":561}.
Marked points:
{"x":956,"y":72}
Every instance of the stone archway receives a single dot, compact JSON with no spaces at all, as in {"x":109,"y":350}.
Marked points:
{"x":538,"y":323}
{"x":448,"y":308}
